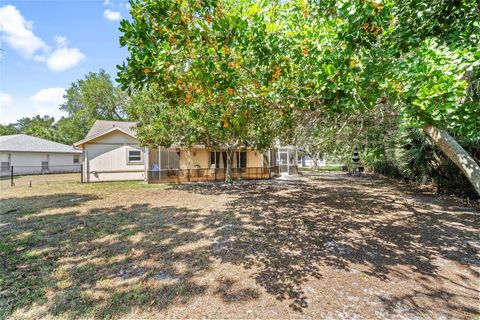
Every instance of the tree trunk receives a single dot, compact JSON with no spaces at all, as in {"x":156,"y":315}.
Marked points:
{"x":456,"y":153}
{"x":315,"y":164}
{"x":228,"y":169}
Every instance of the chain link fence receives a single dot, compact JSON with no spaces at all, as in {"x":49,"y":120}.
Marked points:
{"x":15,"y":176}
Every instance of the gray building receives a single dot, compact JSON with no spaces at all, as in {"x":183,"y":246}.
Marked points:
{"x":32,"y":155}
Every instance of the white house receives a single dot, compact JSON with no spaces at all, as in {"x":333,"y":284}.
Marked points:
{"x":112,"y":152}
{"x":32,"y":155}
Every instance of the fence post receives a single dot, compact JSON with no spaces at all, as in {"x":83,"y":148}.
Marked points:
{"x":11,"y":176}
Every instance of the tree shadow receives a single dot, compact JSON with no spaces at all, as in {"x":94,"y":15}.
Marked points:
{"x":109,"y":261}
{"x":101,"y":262}
{"x":288,"y":231}
{"x":24,"y":206}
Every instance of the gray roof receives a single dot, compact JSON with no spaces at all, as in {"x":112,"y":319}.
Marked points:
{"x":25,"y":143}
{"x":101,"y":126}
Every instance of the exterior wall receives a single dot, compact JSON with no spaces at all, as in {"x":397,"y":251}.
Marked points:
{"x":107,"y":159}
{"x":200,"y":158}
{"x":31,"y":162}
{"x":254,"y":159}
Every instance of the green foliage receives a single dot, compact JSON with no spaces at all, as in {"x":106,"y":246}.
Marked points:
{"x":197,"y":67}
{"x":336,"y":56}
{"x":8,"y":129}
{"x":95,"y":97}
{"x":373,"y":65}
{"x":37,"y":126}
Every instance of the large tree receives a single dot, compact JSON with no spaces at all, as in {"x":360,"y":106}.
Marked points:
{"x":304,"y":57}
{"x":95,"y":97}
{"x":195,"y":61}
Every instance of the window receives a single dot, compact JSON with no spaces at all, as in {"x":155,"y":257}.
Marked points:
{"x":215,"y":159}
{"x":134,"y":156}
{"x":76,"y":158}
{"x":241,"y":157}
{"x":44,"y":165}
{"x":218,"y":158}
{"x":5,"y":167}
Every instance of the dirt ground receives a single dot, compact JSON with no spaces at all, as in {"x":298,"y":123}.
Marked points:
{"x":328,"y":246}
{"x":36,"y":180}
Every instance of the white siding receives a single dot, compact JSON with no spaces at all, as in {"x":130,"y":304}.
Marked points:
{"x":106,"y":158}
{"x":31,"y":162}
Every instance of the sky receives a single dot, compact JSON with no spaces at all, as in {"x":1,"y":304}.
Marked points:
{"x":48,"y":45}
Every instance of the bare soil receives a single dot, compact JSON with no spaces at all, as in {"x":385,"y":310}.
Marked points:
{"x":328,"y":246}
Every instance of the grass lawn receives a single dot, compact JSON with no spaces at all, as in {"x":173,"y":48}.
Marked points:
{"x":327,"y":168}
{"x":321,"y":246}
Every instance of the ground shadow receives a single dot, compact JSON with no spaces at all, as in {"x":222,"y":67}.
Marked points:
{"x":289,"y":230}
{"x":105,"y":262}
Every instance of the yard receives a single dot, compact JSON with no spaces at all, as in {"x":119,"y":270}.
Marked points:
{"x":326,"y":246}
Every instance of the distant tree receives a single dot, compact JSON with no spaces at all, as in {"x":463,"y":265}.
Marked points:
{"x":8,"y":129}
{"x":38,"y":126}
{"x":95,"y":97}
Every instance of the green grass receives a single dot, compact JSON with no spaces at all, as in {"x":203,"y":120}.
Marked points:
{"x":329,"y":168}
{"x":122,"y":185}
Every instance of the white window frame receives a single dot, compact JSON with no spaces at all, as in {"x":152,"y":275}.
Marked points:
{"x":77,"y":158}
{"x":134,"y":161}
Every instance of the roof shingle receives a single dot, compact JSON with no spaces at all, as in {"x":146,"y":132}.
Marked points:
{"x":26,"y":143}
{"x":104,"y":125}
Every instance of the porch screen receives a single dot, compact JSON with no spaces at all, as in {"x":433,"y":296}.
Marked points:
{"x":169,"y":159}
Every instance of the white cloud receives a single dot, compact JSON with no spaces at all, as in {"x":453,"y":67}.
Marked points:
{"x":64,"y":58}
{"x":5,"y":99}
{"x":48,"y":101}
{"x":6,"y":102}
{"x":111,"y":15}
{"x":61,"y":41}
{"x":17,"y":32}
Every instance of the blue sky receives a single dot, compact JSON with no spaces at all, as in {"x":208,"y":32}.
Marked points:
{"x":47,"y":45}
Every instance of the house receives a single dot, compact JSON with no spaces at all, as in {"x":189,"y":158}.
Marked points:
{"x":306,"y":161}
{"x":112,"y":152}
{"x":32,"y":155}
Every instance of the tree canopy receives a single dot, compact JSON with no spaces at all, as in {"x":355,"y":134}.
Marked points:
{"x":299,"y":57}
{"x":95,"y":97}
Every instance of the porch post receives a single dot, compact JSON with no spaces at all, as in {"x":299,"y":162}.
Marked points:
{"x":288,"y":160}
{"x":146,"y":163}
{"x":87,"y":165}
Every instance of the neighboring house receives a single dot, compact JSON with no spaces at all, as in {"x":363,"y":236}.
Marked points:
{"x":112,"y":152}
{"x":306,"y":161}
{"x":32,"y":155}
